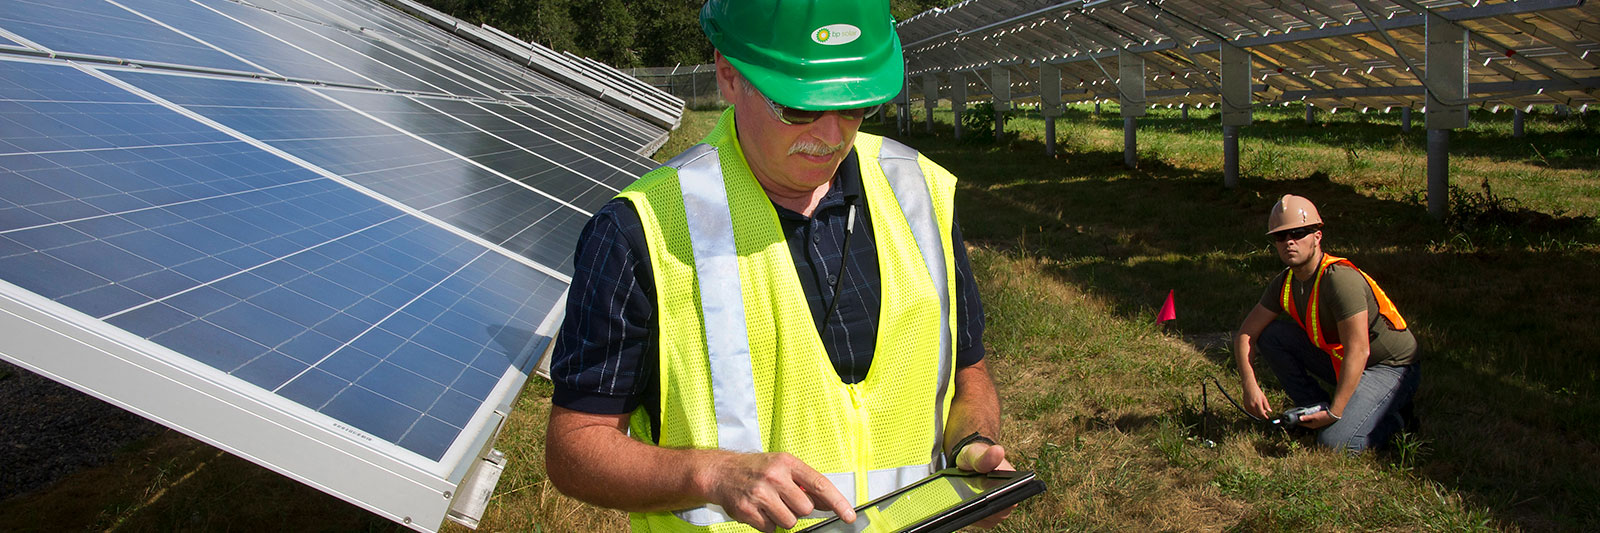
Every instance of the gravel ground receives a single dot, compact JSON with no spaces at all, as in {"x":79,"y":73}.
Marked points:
{"x":49,"y":430}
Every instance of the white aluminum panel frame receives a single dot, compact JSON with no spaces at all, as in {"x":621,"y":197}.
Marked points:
{"x":157,"y":383}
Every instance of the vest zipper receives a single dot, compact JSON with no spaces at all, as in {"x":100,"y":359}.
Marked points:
{"x":858,"y":422}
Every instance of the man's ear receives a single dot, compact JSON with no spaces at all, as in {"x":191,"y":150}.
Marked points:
{"x":727,"y":77}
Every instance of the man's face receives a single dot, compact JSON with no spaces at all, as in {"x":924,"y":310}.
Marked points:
{"x":787,"y":159}
{"x":1298,"y":246}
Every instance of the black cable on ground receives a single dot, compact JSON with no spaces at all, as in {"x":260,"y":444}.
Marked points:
{"x":1225,"y":394}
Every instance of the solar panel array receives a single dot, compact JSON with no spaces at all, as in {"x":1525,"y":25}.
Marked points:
{"x":1331,"y":53}
{"x":349,"y":227}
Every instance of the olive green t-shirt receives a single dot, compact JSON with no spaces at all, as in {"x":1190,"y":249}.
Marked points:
{"x":1344,"y":293}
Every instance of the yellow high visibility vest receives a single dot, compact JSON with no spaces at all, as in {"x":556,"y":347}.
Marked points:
{"x":1311,"y":323}
{"x":741,"y":364}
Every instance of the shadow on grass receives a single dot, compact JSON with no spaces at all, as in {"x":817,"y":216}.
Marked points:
{"x":175,"y":483}
{"x":1503,"y":305}
{"x":1550,"y":141}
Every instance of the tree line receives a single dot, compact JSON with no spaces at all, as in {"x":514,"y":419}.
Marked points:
{"x":623,"y":34}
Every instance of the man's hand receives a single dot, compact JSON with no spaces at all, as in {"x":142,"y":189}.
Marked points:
{"x":984,"y":457}
{"x":1317,"y":420}
{"x":770,"y":490}
{"x":1255,"y":401}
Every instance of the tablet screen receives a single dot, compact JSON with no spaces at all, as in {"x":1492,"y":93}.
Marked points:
{"x":929,"y":500}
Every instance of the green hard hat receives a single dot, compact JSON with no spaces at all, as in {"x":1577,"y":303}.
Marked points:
{"x":810,"y":54}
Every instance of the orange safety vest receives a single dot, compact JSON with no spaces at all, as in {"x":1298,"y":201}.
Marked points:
{"x":1314,"y":329}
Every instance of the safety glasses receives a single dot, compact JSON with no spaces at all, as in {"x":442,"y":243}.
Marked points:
{"x":1294,"y":234}
{"x":796,"y":117}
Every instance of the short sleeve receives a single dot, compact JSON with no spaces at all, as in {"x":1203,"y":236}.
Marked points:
{"x":969,"y":308}
{"x":604,"y":358}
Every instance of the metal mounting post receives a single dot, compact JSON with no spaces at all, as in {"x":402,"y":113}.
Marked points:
{"x":1236,"y":108}
{"x":1000,"y":85}
{"x":1447,"y":109}
{"x":1050,"y":104}
{"x":1130,"y":90}
{"x":958,"y":98}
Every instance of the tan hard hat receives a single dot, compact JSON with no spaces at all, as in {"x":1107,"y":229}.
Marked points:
{"x":1292,"y":212}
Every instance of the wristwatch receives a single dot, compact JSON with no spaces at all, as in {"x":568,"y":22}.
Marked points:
{"x":955,"y":451}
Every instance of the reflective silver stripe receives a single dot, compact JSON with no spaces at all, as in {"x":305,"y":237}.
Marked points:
{"x":887,"y":480}
{"x":716,"y":262}
{"x":845,"y":482}
{"x":714,"y":514}
{"x":703,"y":516}
{"x":900,"y":166}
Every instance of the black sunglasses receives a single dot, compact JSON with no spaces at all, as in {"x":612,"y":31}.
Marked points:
{"x":796,"y":117}
{"x":1294,"y":234}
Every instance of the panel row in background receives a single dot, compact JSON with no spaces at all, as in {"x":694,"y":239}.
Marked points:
{"x":311,"y":42}
{"x":372,"y":18}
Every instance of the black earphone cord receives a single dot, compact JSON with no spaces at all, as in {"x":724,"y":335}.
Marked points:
{"x":844,"y":259}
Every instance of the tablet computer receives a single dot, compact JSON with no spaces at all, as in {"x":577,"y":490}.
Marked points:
{"x":948,"y":500}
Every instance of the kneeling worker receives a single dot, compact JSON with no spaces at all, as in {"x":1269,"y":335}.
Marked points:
{"x":1342,"y":329}
{"x":781,"y":322}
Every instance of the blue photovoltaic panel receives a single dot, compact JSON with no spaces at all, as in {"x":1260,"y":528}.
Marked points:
{"x":133,"y":214}
{"x":325,"y":235}
{"x":604,"y":118}
{"x":477,"y":68}
{"x":554,"y":169}
{"x":431,"y":74}
{"x":519,"y":124}
{"x":361,"y":16}
{"x":550,"y":124}
{"x":103,"y":29}
{"x":440,"y":46}
{"x":524,"y":79}
{"x":322,"y":132}
{"x":352,"y":55}
{"x":378,"y":15}
{"x":563,"y":112}
{"x":292,"y":8}
{"x":211,"y":26}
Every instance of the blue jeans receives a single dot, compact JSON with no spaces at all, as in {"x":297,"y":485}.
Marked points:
{"x":1373,"y":412}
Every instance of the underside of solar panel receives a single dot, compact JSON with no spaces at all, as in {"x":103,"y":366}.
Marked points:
{"x":1331,"y":54}
{"x":325,"y":235}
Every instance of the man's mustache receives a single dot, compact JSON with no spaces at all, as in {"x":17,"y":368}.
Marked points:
{"x":810,"y":147}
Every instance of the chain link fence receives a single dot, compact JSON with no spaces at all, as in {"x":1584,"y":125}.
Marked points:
{"x":695,"y":84}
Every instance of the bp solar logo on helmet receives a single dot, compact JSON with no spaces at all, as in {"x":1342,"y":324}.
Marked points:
{"x":835,"y":34}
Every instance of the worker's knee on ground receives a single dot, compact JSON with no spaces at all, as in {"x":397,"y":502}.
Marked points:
{"x":1342,"y":439}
